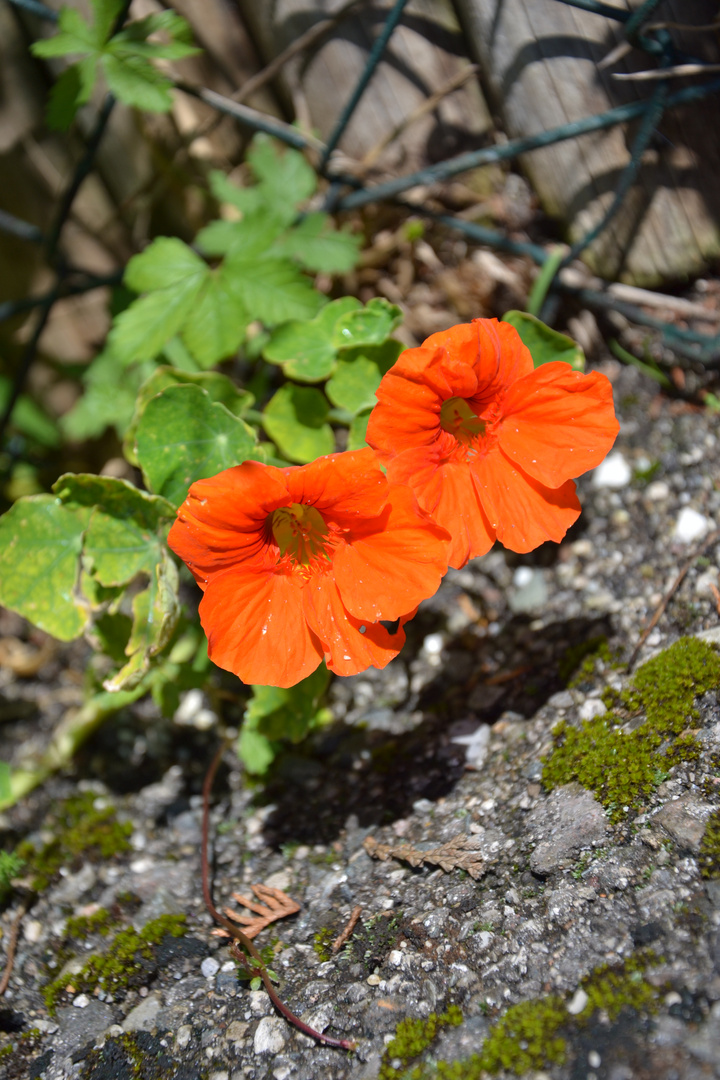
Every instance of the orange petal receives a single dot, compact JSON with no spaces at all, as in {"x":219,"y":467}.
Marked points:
{"x":351,"y":645}
{"x":384,"y":571}
{"x":256,"y":627}
{"x":222,"y":520}
{"x":523,"y":511}
{"x":446,"y":491}
{"x":344,"y":487}
{"x":558,"y":423}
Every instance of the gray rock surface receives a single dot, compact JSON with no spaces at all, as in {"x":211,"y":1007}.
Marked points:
{"x":564,"y":889}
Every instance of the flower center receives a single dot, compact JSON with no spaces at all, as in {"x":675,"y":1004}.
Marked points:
{"x":300,"y":532}
{"x":457,"y":418}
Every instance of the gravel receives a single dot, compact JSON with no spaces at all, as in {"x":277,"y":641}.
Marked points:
{"x":447,"y":741}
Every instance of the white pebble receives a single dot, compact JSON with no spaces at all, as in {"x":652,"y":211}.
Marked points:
{"x":209,"y":967}
{"x":477,"y":745}
{"x":578,"y":1002}
{"x":591,"y":708}
{"x":614,"y":472}
{"x":81,"y":1001}
{"x":433,"y":644}
{"x":270,"y":1036}
{"x":594,"y":1059}
{"x":657,"y":491}
{"x":522,"y":576}
{"x":691,"y":525}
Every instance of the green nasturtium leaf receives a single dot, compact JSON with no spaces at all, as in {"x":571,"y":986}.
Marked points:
{"x":183,"y":436}
{"x":305,"y":348}
{"x":353,"y":385}
{"x":40,"y":546}
{"x":358,"y":431}
{"x":370,"y":325}
{"x":295,"y":418}
{"x":156,"y":611}
{"x":217,"y":386}
{"x":544,"y":343}
{"x":123,"y":537}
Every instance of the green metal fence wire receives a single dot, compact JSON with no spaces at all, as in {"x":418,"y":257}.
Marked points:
{"x":702,"y":348}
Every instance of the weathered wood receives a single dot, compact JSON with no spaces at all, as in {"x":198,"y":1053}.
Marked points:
{"x":425,"y":51}
{"x":539,"y":60}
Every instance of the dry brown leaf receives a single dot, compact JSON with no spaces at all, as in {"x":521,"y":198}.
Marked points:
{"x":457,"y":854}
{"x":276,"y":906}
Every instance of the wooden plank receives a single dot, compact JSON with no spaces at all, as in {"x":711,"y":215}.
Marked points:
{"x":425,"y":52}
{"x":539,"y":61}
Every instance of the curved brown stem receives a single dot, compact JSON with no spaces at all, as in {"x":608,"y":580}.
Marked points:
{"x":241,"y":939}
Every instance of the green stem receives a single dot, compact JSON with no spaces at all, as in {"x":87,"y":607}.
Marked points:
{"x":545,"y":279}
{"x":75,"y":727}
{"x":647,"y":369}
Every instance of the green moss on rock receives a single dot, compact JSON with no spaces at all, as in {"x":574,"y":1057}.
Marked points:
{"x":79,"y":828}
{"x":412,"y":1037}
{"x":624,"y":767}
{"x":532,"y":1035}
{"x":709,"y":855}
{"x":127,"y":962}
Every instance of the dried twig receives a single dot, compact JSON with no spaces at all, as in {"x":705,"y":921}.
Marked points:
{"x":12,"y":946}
{"x":708,"y":542}
{"x":343,"y":937}
{"x":448,"y":87}
{"x":277,"y":905}
{"x":241,"y":939}
{"x":680,"y":70}
{"x":457,"y":854}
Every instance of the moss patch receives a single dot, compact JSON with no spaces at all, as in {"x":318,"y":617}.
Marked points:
{"x":533,"y":1034}
{"x":134,"y":1056}
{"x":578,"y":662}
{"x":129,"y":961}
{"x":624,"y":767}
{"x":373,"y":940}
{"x":412,"y":1037}
{"x":709,"y":856}
{"x":79,"y":829}
{"x":322,"y":943}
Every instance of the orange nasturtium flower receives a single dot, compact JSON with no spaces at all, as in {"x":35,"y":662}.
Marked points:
{"x":487,"y":442}
{"x":303,"y":563}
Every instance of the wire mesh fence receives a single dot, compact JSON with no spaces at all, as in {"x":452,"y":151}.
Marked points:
{"x":347,"y":192}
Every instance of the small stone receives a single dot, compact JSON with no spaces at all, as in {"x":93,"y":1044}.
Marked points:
{"x":685,"y":819}
{"x":374,"y":980}
{"x":591,"y":708}
{"x":183,"y":1036}
{"x":143,"y":1016}
{"x":594,"y":1059}
{"x":32,"y":931}
{"x":209,"y":967}
{"x":81,"y":1001}
{"x":433,"y":644}
{"x":572,"y":819}
{"x":530,"y":590}
{"x":614,"y":472}
{"x":578,"y":1002}
{"x":657,"y":491}
{"x":270,"y":1036}
{"x":691,"y":525}
{"x":477,"y":745}
{"x":236,"y":1031}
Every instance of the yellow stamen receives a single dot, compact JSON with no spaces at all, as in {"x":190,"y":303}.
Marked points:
{"x":300,"y":532}
{"x":459,"y":420}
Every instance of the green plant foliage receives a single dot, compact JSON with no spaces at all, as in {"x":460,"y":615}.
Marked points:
{"x":28,"y":418}
{"x":108,"y":400}
{"x":10,"y":867}
{"x":307,"y":349}
{"x":412,"y":1037}
{"x":274,"y":713}
{"x":123,"y":57}
{"x":358,"y":375}
{"x":295,"y":418}
{"x":624,"y":767}
{"x":544,"y":343}
{"x":183,"y":435}
{"x":40,"y":545}
{"x":218,"y":387}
